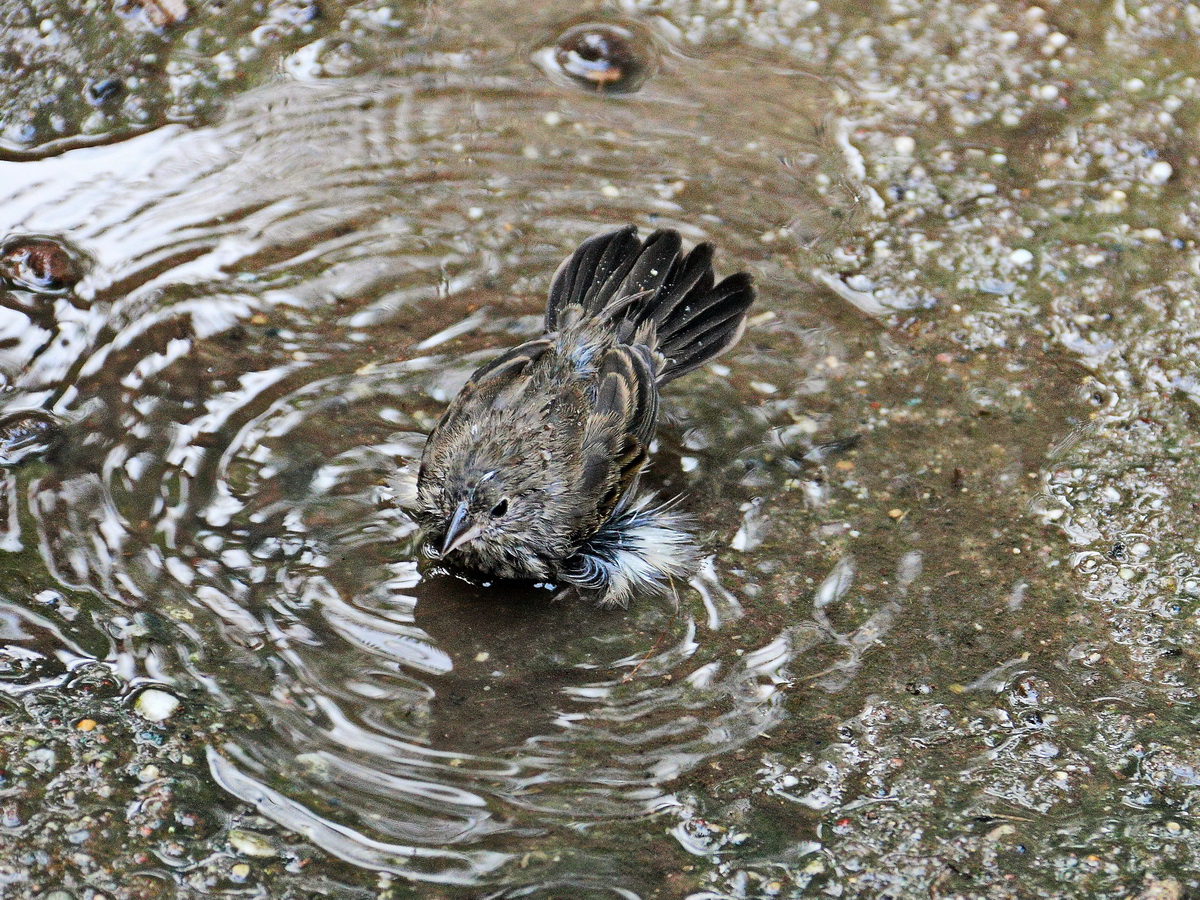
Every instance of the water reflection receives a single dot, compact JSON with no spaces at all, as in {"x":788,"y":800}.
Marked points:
{"x":35,"y":652}
{"x":279,"y":307}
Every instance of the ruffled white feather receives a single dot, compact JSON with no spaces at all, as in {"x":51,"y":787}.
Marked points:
{"x":642,"y":549}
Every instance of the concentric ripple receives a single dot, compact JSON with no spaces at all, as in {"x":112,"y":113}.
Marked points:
{"x":278,"y":309}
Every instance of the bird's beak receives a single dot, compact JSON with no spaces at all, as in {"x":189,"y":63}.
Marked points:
{"x":458,"y":532}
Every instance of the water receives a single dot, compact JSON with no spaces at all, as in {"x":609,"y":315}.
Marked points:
{"x":277,"y":308}
{"x":889,"y":673}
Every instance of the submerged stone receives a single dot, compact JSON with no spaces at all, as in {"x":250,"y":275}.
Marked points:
{"x":25,"y":434}
{"x":155,"y":705}
{"x":606,"y":58}
{"x":40,"y":263}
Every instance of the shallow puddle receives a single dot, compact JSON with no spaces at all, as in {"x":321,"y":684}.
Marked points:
{"x":275,"y":312}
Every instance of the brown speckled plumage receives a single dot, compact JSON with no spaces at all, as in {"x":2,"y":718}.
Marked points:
{"x":532,"y":471}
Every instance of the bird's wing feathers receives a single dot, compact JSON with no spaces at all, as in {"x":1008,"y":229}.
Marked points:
{"x":627,"y":393}
{"x":495,"y":384}
{"x":620,"y":424}
{"x":509,"y":365}
{"x":496,"y":381}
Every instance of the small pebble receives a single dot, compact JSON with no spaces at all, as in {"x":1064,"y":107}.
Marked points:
{"x":149,"y":773}
{"x":1000,"y":831}
{"x":85,"y":725}
{"x":155,"y":705}
{"x":250,"y":844}
{"x":1020,"y":257}
{"x":39,"y":263}
{"x":98,"y":93}
{"x":1159,"y":172}
{"x":161,"y":13}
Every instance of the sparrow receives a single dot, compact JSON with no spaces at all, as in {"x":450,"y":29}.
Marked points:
{"x":532,"y":472}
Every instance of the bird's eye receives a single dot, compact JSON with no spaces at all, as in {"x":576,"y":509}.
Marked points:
{"x":500,"y":508}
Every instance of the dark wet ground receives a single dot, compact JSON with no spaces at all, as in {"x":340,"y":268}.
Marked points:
{"x":943,"y":640}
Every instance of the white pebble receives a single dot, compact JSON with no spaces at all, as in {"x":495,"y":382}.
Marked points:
{"x":1020,"y":257}
{"x":905,"y":145}
{"x":155,"y":705}
{"x":1159,"y":172}
{"x":1046,"y":92}
{"x":610,"y":190}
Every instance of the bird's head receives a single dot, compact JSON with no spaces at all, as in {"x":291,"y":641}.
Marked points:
{"x":474,"y":512}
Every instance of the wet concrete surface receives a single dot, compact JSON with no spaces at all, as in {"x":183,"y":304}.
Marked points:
{"x":942,"y":643}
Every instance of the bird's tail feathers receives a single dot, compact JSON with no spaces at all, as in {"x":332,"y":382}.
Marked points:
{"x":652,"y":293}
